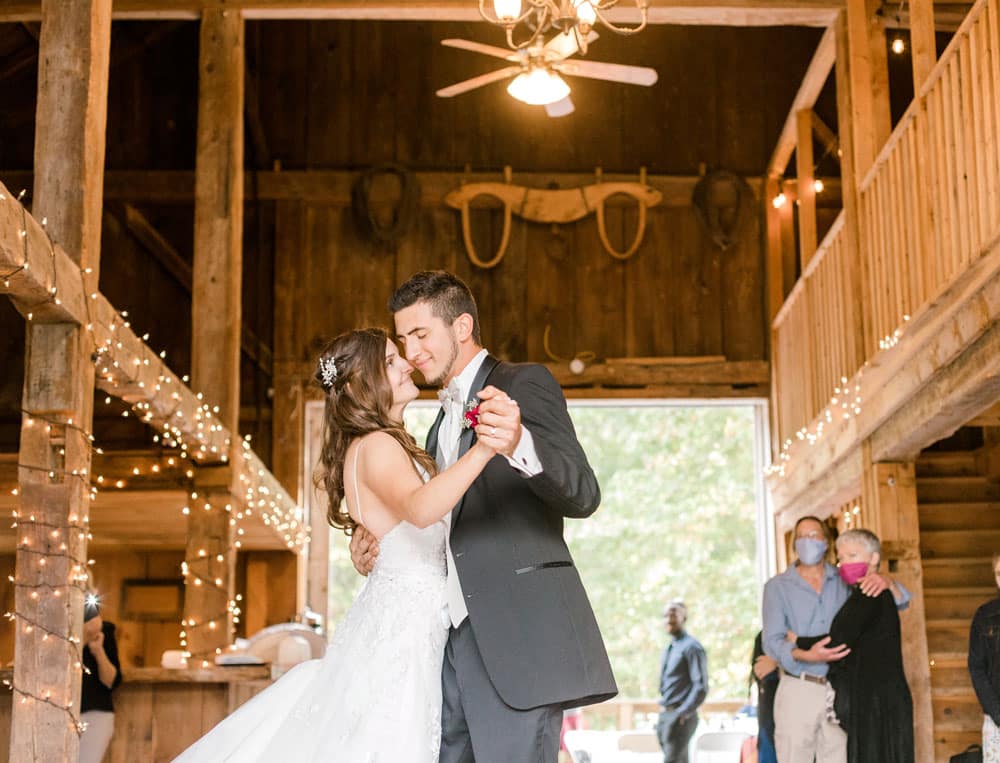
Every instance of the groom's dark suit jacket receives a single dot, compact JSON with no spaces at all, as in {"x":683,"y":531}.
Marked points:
{"x":527,"y":608}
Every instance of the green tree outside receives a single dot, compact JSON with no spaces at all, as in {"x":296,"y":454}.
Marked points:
{"x":677,"y":519}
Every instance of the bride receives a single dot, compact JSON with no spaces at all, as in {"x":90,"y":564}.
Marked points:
{"x":376,"y":695}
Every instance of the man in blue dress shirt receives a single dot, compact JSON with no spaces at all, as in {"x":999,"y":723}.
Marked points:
{"x":803,"y":599}
{"x":683,"y":686}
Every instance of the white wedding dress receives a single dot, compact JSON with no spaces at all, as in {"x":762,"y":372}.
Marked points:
{"x":376,"y":695}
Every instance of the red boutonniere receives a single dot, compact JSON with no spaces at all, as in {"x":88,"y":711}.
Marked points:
{"x":471,"y":418}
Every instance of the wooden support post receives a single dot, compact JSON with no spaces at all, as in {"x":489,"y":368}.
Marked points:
{"x":54,"y":456}
{"x":775,"y":276}
{"x":923,"y":46}
{"x":890,"y":500}
{"x":869,"y":84}
{"x":849,"y":181}
{"x":806,"y":192}
{"x":218,"y":216}
{"x":217,"y":316}
{"x":210,"y":559}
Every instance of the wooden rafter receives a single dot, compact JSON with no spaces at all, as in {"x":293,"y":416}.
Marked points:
{"x":702,"y":12}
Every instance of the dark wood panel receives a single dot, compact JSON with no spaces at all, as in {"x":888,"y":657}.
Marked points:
{"x":678,"y":295}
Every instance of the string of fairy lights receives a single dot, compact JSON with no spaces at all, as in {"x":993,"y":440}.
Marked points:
{"x":120,"y":363}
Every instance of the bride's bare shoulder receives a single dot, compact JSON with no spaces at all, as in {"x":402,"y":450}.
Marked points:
{"x":381,"y":451}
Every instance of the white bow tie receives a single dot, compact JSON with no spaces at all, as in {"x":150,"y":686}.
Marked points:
{"x":451,"y":394}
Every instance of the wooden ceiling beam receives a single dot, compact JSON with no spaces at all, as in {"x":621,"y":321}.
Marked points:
{"x":812,"y":84}
{"x":701,"y":12}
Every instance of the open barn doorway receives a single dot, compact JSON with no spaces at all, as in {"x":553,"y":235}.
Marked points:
{"x":682,"y":515}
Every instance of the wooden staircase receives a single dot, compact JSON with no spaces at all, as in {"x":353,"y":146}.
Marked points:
{"x":959,"y":531}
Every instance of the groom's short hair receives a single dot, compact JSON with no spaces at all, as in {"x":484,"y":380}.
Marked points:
{"x":446,"y":293}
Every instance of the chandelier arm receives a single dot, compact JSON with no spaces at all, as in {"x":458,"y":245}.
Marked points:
{"x":623,"y":30}
{"x":531,"y":40}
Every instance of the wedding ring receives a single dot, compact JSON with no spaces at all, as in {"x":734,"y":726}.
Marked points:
{"x":493,"y":431}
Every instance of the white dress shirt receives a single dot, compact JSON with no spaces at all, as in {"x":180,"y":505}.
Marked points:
{"x":525,"y":460}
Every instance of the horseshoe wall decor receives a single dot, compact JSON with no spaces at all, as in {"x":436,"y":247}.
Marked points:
{"x":553,"y":206}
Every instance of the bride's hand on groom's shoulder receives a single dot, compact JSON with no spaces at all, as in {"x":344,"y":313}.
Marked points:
{"x":364,"y":550}
{"x":499,"y":424}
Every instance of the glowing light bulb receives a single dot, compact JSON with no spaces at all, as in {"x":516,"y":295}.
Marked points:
{"x":898,"y":46}
{"x":538,"y":87}
{"x":779,"y":201}
{"x":507,"y":10}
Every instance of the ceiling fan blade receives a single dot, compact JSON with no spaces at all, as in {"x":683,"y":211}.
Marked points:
{"x":560,"y":108}
{"x":478,"y":47}
{"x":565,"y":44}
{"x":630,"y":75}
{"x":482,"y":79}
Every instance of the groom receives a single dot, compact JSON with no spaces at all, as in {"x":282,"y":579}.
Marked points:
{"x":523,"y":643}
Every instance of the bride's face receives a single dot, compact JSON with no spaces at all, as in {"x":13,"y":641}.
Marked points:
{"x":399,"y":373}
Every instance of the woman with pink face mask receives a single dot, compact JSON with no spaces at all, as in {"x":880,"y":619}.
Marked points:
{"x":872,"y":701}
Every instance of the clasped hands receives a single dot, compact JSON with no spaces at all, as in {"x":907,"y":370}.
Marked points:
{"x":498,"y":427}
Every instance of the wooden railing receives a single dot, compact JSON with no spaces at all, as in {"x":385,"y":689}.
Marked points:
{"x":815,"y":339}
{"x":929,"y":206}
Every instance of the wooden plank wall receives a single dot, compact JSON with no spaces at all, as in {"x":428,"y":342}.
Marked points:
{"x":679,"y":295}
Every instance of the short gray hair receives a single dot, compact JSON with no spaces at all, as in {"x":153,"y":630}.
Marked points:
{"x":866,"y":538}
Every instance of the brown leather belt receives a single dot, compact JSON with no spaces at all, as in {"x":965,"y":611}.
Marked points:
{"x":806,"y":677}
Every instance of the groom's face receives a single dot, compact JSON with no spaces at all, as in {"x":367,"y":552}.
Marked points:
{"x":428,"y":342}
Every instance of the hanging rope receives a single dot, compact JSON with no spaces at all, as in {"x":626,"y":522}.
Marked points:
{"x":586,"y":356}
{"x":404,"y":214}
{"x":470,"y":247}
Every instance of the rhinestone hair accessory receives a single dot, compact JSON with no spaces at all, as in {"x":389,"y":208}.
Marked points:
{"x":328,"y":371}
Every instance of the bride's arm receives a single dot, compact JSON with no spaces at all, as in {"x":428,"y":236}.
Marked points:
{"x":385,"y":469}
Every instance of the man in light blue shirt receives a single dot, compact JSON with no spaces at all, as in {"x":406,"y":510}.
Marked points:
{"x":803,"y":599}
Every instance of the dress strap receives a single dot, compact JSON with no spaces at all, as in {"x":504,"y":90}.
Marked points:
{"x":357,"y":494}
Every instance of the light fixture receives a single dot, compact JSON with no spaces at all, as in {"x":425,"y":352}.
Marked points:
{"x":818,"y":185}
{"x":898,"y":45}
{"x":541,"y":16}
{"x":779,"y":201}
{"x":538,"y":87}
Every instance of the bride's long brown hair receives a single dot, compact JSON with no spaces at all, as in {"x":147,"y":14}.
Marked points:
{"x":358,"y":401}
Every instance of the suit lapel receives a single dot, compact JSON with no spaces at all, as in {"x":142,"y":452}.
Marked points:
{"x":431,"y":446}
{"x":468,"y":435}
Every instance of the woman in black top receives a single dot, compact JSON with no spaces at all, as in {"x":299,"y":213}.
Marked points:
{"x":101,"y":675}
{"x":872,"y":702}
{"x":984,"y":668}
{"x":765,"y":674}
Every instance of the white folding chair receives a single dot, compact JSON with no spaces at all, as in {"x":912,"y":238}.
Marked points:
{"x":719,"y":747}
{"x":639,"y":741}
{"x":591,"y":746}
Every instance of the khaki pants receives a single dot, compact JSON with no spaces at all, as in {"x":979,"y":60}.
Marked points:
{"x":801,"y":731}
{"x":94,"y":741}
{"x":991,"y":741}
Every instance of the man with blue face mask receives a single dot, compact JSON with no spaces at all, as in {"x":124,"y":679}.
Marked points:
{"x":803,"y":600}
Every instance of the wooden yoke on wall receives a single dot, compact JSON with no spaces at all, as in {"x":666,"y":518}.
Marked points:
{"x":554,"y":206}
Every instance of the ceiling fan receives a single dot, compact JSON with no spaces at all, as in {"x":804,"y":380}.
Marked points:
{"x":536,"y":71}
